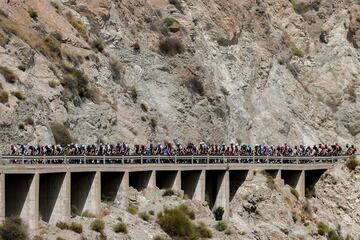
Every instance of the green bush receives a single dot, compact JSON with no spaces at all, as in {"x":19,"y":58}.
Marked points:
{"x":119,"y":227}
{"x":221,"y":226}
{"x":333,"y":235}
{"x":323,"y":229}
{"x":297,"y":52}
{"x":62,"y":136}
{"x":8,"y":74}
{"x":352,"y":163}
{"x":4,"y":96}
{"x":176,"y":223}
{"x":19,"y":95}
{"x":98,"y":44}
{"x":203,"y":231}
{"x":170,"y":21}
{"x":228,"y":231}
{"x":33,"y":14}
{"x":144,"y":216}
{"x":218,"y":213}
{"x":87,"y":214}
{"x":76,"y":227}
{"x":295,"y":193}
{"x":132,"y":209}
{"x":160,"y":237}
{"x":21,"y":126}
{"x":188,"y":211}
{"x":13,"y":229}
{"x":98,"y":225}
{"x":171,"y":46}
{"x":62,"y":225}
{"x":168,"y":192}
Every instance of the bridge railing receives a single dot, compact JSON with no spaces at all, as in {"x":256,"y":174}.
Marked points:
{"x":206,"y":159}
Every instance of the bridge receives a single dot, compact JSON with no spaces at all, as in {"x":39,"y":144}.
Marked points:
{"x":46,"y":187}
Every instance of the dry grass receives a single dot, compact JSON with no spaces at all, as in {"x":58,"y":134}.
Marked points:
{"x":19,"y":95}
{"x":61,"y":133}
{"x":78,"y":25}
{"x":4,"y":96}
{"x":94,"y":95}
{"x":171,"y":46}
{"x":8,"y":74}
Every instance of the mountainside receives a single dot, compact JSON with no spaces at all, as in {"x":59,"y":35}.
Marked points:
{"x":95,"y":71}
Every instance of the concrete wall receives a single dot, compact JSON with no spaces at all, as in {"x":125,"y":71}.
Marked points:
{"x":55,"y":197}
{"x":86,"y":191}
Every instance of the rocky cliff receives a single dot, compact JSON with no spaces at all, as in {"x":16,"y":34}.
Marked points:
{"x":147,"y":70}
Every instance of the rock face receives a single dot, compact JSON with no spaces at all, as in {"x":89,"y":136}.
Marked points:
{"x":249,"y":71}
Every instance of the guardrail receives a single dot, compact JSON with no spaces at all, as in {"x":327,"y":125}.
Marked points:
{"x":207,"y":159}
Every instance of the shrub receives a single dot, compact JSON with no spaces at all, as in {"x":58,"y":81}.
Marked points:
{"x":333,"y":235}
{"x":62,"y":225}
{"x":98,"y":45}
{"x":53,"y":83}
{"x":221,"y":226}
{"x":133,"y":94}
{"x":4,"y":96}
{"x":33,"y":14}
{"x":51,"y":47}
{"x":76,"y":227}
{"x":132,"y":209}
{"x":62,"y":136}
{"x":94,"y":94}
{"x":177,"y":5}
{"x":78,"y":25}
{"x":295,"y":193}
{"x":322,"y":228}
{"x":119,"y":227}
{"x":13,"y":228}
{"x":76,"y":81}
{"x":176,"y":223}
{"x":19,"y":95}
{"x":151,"y":212}
{"x":87,"y":214}
{"x":228,"y":231}
{"x":97,"y":225}
{"x":195,"y":85}
{"x":160,"y":237}
{"x":297,"y":52}
{"x":352,"y":163}
{"x":8,"y":74}
{"x":188,"y":211}
{"x":60,"y":238}
{"x":56,"y":5}
{"x":168,"y":192}
{"x":136,"y":46}
{"x":270,"y":182}
{"x":153,"y":123}
{"x":170,"y":21}
{"x":171,"y":46}
{"x":29,"y":121}
{"x":4,"y":39}
{"x":117,"y":69}
{"x":203,"y":231}
{"x":144,"y":107}
{"x":218,"y":213}
{"x":145,"y":216}
{"x":21,"y":126}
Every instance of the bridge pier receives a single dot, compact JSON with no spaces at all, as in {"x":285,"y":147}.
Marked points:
{"x":236,"y":178}
{"x":23,"y":202}
{"x":218,"y":190}
{"x":311,"y":178}
{"x":142,"y":179}
{"x":295,"y":179}
{"x":193,"y":184}
{"x":86,"y":191}
{"x":54,"y":200}
{"x":2,"y":197}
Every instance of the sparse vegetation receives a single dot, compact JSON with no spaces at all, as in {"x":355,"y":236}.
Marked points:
{"x":4,"y":96}
{"x":160,"y":237}
{"x":144,"y":216}
{"x":94,"y":94}
{"x":119,"y":227}
{"x":51,"y":47}
{"x":29,"y":121}
{"x":19,"y":95}
{"x":21,"y":126}
{"x":78,"y":25}
{"x":151,"y":212}
{"x":144,"y":107}
{"x":176,"y":223}
{"x":171,"y":46}
{"x":168,"y":192}
{"x":169,"y":21}
{"x":153,"y":123}
{"x":133,"y":94}
{"x":87,"y":214}
{"x":188,"y":211}
{"x":62,"y":225}
{"x":323,"y":229}
{"x":228,"y":231}
{"x":60,"y":238}
{"x":13,"y":229}
{"x":203,"y":231}
{"x":218,"y":213}
{"x":4,"y":39}
{"x":76,"y":227}
{"x":195,"y":85}
{"x":33,"y":14}
{"x":98,"y":44}
{"x":221,"y":226}
{"x":297,"y":52}
{"x":136,"y":46}
{"x":117,"y":69}
{"x":76,"y":81}
{"x":295,"y":193}
{"x":62,"y":136}
{"x":333,"y":235}
{"x":132,"y":209}
{"x":53,"y":83}
{"x":8,"y":74}
{"x":98,"y":225}
{"x":352,"y":163}
{"x":56,"y":5}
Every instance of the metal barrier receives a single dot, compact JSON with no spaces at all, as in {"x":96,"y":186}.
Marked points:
{"x":206,"y":159}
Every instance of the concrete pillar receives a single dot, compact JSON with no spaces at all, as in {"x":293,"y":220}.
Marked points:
{"x":124,"y":189}
{"x":30,"y":211}
{"x":93,"y":200}
{"x":152,"y":180}
{"x":62,"y":208}
{"x":199,"y":193}
{"x":177,"y":182}
{"x":223,"y":194}
{"x":277,"y":178}
{"x":2,"y":197}
{"x":300,"y":186}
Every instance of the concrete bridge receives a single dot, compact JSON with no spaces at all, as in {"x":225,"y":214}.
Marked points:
{"x":46,"y":187}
